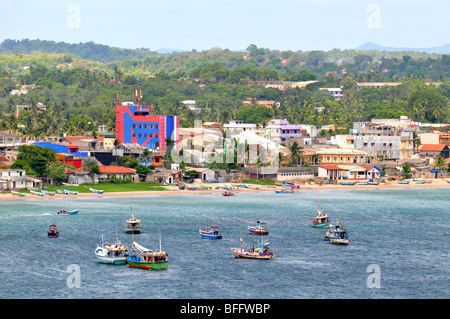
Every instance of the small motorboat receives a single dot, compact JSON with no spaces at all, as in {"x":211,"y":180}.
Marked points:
{"x":68,"y":212}
{"x":211,"y":232}
{"x":53,"y":232}
{"x":36,"y":193}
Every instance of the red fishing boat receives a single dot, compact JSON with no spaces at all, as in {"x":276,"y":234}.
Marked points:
{"x":259,"y":228}
{"x":53,"y":232}
{"x":228,"y":194}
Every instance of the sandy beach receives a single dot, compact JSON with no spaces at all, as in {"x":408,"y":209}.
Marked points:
{"x":174,"y":190}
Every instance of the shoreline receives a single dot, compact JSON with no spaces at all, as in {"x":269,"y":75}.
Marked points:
{"x":436,"y":183}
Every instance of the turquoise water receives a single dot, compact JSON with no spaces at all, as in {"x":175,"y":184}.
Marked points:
{"x":404,"y":232}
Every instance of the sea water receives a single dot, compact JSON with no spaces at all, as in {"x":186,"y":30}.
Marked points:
{"x":399,"y":246}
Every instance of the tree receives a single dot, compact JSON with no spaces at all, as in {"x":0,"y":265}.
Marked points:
{"x":56,"y":171}
{"x":406,"y":171}
{"x":438,"y":165}
{"x":296,"y":153}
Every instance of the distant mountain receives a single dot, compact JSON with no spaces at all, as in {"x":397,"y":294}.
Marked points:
{"x":443,"y":49}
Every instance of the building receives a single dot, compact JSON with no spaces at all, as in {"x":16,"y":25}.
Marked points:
{"x":379,"y":147}
{"x":9,"y":142}
{"x":239,"y":126}
{"x":191,"y":106}
{"x":444,"y":139}
{"x":136,"y":124}
{"x":39,"y":107}
{"x":119,"y":172}
{"x":434,"y":150}
{"x":63,"y":148}
{"x":335,"y":156}
{"x":335,"y":92}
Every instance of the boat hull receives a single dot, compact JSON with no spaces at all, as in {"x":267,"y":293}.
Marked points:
{"x":339,"y":241}
{"x":207,"y":235}
{"x":258,"y":232}
{"x":238,"y":253}
{"x":53,"y":235}
{"x":323,"y":225}
{"x":148,"y":266}
{"x":112,"y":260}
{"x":73,"y":212}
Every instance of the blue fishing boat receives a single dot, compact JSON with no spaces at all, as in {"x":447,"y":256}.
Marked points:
{"x":372,"y":183}
{"x":48,"y":193}
{"x":338,"y":235}
{"x":211,"y":232}
{"x":347,"y":183}
{"x":115,"y":253}
{"x":363,"y":183}
{"x":420,"y":182}
{"x":403,"y":182}
{"x":68,"y":212}
{"x":284,"y":191}
{"x":69,"y":192}
{"x":36,"y":193}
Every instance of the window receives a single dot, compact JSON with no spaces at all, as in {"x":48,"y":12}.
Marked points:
{"x":140,"y":125}
{"x":145,"y":126}
{"x":134,"y":125}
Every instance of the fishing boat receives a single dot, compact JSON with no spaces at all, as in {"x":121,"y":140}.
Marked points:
{"x":372,"y":183}
{"x":283,"y":191}
{"x":68,"y":212}
{"x":53,"y":232}
{"x":211,"y":232}
{"x":420,"y":182}
{"x":36,"y":193}
{"x":115,"y":253}
{"x":133,"y":224}
{"x":145,"y":258}
{"x":69,"y":192}
{"x":339,"y":235}
{"x":403,"y":182}
{"x":228,"y":194}
{"x":48,"y":193}
{"x":261,"y":251}
{"x":347,"y":183}
{"x":97,"y":191}
{"x":18,"y":194}
{"x":60,"y":191}
{"x":362,"y":183}
{"x":260,"y":228}
{"x":321,"y":220}
{"x":448,"y":181}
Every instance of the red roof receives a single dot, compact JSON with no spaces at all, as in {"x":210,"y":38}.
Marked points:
{"x":116,"y":170}
{"x":367,"y":167}
{"x":331,"y":167}
{"x":432,"y":147}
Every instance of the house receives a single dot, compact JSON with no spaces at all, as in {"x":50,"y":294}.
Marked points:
{"x":434,"y":150}
{"x":352,"y":171}
{"x":164,"y":175}
{"x":9,"y":141}
{"x":119,"y":172}
{"x":372,"y":172}
{"x":17,"y":179}
{"x":329,"y":171}
{"x":281,"y":174}
{"x":205,"y":174}
{"x":335,"y":92}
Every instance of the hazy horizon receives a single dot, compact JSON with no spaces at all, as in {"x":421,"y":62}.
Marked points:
{"x":201,"y":25}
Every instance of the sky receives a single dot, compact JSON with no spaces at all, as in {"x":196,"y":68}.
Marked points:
{"x":230,"y":24}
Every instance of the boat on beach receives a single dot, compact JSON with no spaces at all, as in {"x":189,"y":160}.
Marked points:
{"x":420,"y":182}
{"x":18,"y":194}
{"x":372,"y":182}
{"x":211,"y":232}
{"x":68,"y":212}
{"x":96,"y":191}
{"x":66,"y":192}
{"x":53,"y":232}
{"x":260,"y":228}
{"x":261,"y":251}
{"x":362,"y":183}
{"x":145,"y":258}
{"x":36,"y":193}
{"x":321,"y":220}
{"x":228,"y":194}
{"x":48,"y":193}
{"x":115,"y":253}
{"x":133,"y":224}
{"x":284,"y":191}
{"x":347,"y":183}
{"x":403,"y":182}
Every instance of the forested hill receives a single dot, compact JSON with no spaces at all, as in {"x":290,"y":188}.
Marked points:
{"x":88,"y":51}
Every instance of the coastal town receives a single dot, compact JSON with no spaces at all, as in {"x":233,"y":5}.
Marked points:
{"x":213,"y":156}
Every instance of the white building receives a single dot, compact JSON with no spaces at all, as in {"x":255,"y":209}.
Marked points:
{"x":335,"y":92}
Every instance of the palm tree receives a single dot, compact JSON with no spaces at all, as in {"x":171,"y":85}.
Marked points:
{"x":145,"y":157}
{"x":116,"y":143}
{"x":438,"y":164}
{"x":296,"y":153}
